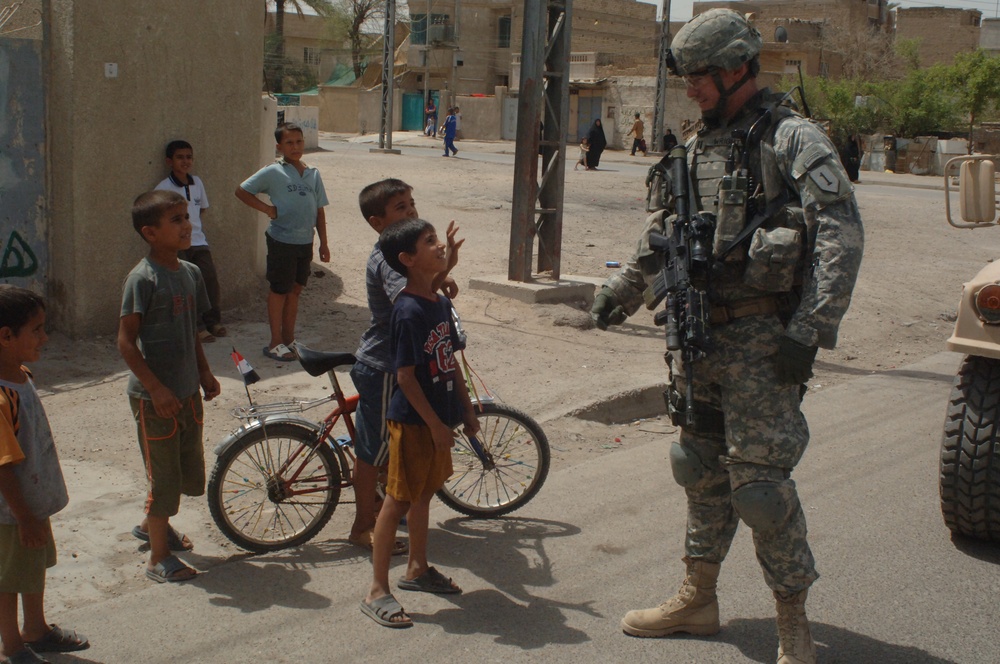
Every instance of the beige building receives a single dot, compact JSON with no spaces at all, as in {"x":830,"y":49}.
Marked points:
{"x":309,"y":41}
{"x":942,"y":32}
{"x":844,"y":14}
{"x":89,"y":137}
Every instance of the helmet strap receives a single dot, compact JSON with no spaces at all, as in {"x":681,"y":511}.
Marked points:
{"x":714,"y":116}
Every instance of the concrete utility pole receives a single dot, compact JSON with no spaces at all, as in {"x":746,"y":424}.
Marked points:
{"x":388,"y":70}
{"x":545,"y":50}
{"x":659,"y":108}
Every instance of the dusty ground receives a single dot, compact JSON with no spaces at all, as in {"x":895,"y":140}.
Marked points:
{"x":543,"y":359}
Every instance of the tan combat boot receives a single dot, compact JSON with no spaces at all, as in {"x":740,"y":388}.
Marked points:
{"x":795,"y":644}
{"x":694,"y":609}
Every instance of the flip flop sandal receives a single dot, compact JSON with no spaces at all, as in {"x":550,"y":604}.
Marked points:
{"x":175,"y":540}
{"x":205,"y":337}
{"x":431,"y":581}
{"x":171,"y":570}
{"x":384,"y":609}
{"x":218,"y":330}
{"x":364,"y":540}
{"x":58,"y":639}
{"x":279,"y":352}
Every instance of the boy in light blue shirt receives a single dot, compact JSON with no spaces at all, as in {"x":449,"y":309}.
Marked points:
{"x":297,"y":200}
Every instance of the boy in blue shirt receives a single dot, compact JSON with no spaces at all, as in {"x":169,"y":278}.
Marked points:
{"x":429,"y":402}
{"x":383,"y":204}
{"x":297,"y":197}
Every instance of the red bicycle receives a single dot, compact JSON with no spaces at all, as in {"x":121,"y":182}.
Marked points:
{"x":278,"y":478}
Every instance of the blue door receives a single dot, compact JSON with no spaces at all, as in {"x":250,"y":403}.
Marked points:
{"x":588,"y":109}
{"x":413,"y":110}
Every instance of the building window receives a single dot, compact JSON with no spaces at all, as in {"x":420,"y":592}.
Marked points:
{"x":422,"y":34}
{"x":793,"y":63}
{"x":310,"y":56}
{"x":503,"y":32}
{"x":418,"y":29}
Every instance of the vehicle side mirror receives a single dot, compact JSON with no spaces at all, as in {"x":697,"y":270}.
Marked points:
{"x":976,"y":190}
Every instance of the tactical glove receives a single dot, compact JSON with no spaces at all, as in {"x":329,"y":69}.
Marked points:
{"x":794,"y":361}
{"x":606,"y":310}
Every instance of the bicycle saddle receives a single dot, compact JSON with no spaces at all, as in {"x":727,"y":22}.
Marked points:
{"x":318,"y":362}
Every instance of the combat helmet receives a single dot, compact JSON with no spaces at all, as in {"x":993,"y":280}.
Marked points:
{"x":717,"y":38}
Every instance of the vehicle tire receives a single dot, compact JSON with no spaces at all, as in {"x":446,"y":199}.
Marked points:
{"x":520,"y":453}
{"x":970,"y":451}
{"x":248,"y":492}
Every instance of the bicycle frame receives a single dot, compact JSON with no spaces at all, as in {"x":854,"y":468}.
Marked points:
{"x":257,"y":416}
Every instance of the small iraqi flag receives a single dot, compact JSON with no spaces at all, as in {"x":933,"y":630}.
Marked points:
{"x":249,"y":375}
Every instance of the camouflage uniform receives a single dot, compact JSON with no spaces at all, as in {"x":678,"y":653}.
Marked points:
{"x":796,"y":281}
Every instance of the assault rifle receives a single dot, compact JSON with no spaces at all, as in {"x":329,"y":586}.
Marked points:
{"x":683,"y":281}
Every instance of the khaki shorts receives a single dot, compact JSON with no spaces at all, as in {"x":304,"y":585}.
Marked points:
{"x":416,"y":468}
{"x":172,"y":453}
{"x":22,"y":570}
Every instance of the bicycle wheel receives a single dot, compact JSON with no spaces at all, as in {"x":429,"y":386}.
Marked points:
{"x":274,"y":488}
{"x":516,"y":464}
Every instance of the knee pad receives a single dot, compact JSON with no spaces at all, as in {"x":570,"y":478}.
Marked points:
{"x":764,"y":505}
{"x":688,"y":468}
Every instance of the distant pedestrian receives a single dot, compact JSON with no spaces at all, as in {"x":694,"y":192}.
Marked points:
{"x":637,"y":131}
{"x":431,"y":113}
{"x":669,"y":140}
{"x":597,"y":144}
{"x":449,"y":128}
{"x":851,"y":157}
{"x":584,"y":148}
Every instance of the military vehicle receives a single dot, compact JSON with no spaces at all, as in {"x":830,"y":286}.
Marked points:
{"x":970,"y":446}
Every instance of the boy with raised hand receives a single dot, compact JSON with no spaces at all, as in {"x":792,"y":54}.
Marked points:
{"x":180,"y":161}
{"x":162,"y":301}
{"x":430,"y":401}
{"x":297,"y":196}
{"x":383,"y":204}
{"x":31,"y":486}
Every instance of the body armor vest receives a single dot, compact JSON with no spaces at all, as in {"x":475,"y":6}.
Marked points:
{"x":770,"y":262}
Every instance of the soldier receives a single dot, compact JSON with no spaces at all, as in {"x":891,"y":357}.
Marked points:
{"x":773,"y":299}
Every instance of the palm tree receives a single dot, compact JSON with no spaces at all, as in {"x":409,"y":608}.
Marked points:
{"x":321,"y":7}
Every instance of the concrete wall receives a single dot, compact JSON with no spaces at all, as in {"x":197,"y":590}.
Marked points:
{"x":338,"y":109}
{"x":306,"y":117}
{"x":106,"y":139}
{"x":24,"y":255}
{"x":481,"y":117}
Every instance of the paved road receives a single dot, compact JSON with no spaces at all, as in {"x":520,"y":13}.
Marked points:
{"x":605,"y":536}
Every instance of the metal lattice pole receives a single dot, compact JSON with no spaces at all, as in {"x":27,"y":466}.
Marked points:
{"x":388,"y":58}
{"x":660,"y":107}
{"x":543,"y":97}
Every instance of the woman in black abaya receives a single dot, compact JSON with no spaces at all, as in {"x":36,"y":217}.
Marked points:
{"x":597,"y":144}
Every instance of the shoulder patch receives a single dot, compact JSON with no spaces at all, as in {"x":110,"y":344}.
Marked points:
{"x":825,"y":179}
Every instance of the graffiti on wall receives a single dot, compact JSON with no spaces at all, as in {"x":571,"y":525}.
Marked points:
{"x":23,"y":226}
{"x":18,"y":258}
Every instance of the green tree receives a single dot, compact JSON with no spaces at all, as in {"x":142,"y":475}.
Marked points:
{"x":974,"y":80}
{"x":359,"y":23}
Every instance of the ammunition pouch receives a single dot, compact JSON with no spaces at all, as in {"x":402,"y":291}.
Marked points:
{"x":707,"y":419}
{"x":773,"y":259}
